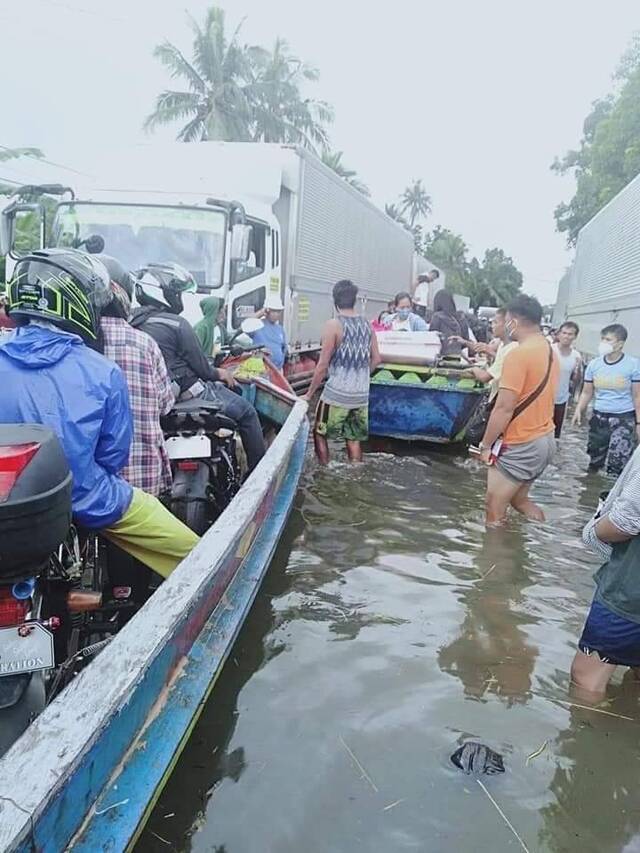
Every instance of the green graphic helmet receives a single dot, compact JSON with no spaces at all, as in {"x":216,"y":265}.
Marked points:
{"x":64,"y":287}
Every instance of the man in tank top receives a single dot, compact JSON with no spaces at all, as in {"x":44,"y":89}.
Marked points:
{"x":349,"y":353}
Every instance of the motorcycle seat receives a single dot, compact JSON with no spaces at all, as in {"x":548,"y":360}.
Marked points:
{"x":196,"y":405}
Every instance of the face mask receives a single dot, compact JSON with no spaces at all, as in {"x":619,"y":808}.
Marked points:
{"x":605,"y":348}
{"x":403,"y":313}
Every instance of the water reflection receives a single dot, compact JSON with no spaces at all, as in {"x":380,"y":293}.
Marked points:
{"x":207,"y":759}
{"x":595,"y":805}
{"x":492,"y":655}
{"x":387,"y":606}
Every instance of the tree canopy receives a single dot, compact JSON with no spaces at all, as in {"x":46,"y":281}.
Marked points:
{"x":236,"y":92}
{"x":609,"y":153}
{"x":493,"y":281}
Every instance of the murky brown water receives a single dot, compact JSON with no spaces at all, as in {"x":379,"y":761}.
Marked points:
{"x":390,"y":627}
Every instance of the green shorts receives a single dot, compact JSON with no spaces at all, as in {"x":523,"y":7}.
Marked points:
{"x":337,"y":422}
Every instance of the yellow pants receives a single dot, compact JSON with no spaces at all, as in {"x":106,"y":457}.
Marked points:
{"x":151,"y":534}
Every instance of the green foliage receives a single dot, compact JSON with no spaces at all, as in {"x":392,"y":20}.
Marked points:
{"x":609,"y":153}
{"x":449,"y":252}
{"x":493,"y":282}
{"x":333,"y":159}
{"x":239,"y":92}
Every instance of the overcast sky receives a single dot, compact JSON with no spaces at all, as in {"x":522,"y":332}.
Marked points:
{"x":476,"y":98}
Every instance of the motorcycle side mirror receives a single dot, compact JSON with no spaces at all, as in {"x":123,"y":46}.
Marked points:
{"x":94,"y":244}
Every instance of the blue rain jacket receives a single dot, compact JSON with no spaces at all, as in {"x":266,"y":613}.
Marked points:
{"x":53,"y":379}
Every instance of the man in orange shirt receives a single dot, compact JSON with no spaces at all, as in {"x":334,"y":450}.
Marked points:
{"x":519,"y":443}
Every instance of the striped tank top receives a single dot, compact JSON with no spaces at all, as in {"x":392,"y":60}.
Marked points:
{"x":350,"y":366}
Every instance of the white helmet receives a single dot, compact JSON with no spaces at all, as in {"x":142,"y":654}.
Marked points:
{"x":273,"y":302}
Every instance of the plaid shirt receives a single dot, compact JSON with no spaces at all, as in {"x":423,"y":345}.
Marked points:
{"x":150,"y":394}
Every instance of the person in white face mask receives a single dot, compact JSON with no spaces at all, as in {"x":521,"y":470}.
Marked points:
{"x":613,"y":382}
{"x":404,"y":319}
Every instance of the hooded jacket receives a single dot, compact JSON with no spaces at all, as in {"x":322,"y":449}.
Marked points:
{"x":206,"y":328}
{"x":50,"y":377}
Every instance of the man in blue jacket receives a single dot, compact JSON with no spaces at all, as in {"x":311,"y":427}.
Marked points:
{"x":49,"y":375}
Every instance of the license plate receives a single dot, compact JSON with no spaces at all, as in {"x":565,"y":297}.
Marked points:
{"x":28,"y":653}
{"x":189,"y":447}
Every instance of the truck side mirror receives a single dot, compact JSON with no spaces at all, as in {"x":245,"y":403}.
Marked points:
{"x":9,"y":233}
{"x":240,"y":242}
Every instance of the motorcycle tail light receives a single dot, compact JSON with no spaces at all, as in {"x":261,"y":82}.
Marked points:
{"x":14,"y":458}
{"x":187,"y":465}
{"x":13,"y":611}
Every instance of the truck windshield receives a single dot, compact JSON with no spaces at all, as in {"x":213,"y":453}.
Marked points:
{"x":137,"y":235}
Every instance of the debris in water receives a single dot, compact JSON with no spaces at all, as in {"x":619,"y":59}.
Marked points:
{"x":504,"y":817}
{"x":538,"y":752}
{"x":363,"y":772}
{"x":114,"y":806}
{"x":392,"y":805}
{"x":478,"y":758}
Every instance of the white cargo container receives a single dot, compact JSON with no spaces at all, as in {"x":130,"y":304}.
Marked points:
{"x":603,"y":284}
{"x":307,"y":228}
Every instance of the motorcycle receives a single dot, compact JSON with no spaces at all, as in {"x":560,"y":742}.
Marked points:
{"x":202,"y":446}
{"x":58,"y":607}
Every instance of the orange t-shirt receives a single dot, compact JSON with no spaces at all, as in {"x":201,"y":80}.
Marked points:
{"x":523,"y":370}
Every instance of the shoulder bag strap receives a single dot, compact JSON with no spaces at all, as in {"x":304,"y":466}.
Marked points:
{"x":535,"y":394}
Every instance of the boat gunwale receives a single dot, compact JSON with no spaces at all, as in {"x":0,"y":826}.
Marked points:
{"x":73,"y":725}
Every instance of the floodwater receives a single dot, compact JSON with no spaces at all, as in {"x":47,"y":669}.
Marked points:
{"x":391,"y":627}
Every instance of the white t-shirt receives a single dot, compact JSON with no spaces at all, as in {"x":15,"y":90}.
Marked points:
{"x":421,"y":295}
{"x":568,"y":364}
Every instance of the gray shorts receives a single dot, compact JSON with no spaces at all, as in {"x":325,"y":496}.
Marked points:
{"x":524,"y":463}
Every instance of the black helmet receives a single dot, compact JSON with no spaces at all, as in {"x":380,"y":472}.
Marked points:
{"x":162,"y":286}
{"x":64,"y":286}
{"x":122,"y":283}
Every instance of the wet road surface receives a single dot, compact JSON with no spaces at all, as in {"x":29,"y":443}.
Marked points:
{"x":391,"y":627}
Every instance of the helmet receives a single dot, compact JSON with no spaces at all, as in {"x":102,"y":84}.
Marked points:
{"x":162,"y":286}
{"x":273,"y":302}
{"x":121,"y":286}
{"x":66,"y":287}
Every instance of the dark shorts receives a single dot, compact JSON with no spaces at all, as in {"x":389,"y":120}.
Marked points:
{"x":612,"y":638}
{"x":612,"y":440}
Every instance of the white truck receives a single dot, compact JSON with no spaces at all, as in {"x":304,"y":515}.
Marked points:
{"x":603,"y":284}
{"x":246,"y":219}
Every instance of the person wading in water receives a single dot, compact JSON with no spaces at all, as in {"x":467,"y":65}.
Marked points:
{"x":349,"y":353}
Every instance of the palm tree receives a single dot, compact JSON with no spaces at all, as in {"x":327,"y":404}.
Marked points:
{"x":333,"y":159}
{"x":416,"y":202}
{"x":394,"y":212}
{"x":279,"y":112}
{"x":238,"y":92}
{"x":215,"y":102}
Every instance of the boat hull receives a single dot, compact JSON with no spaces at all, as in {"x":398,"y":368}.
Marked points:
{"x":88,"y":771}
{"x":415,"y":412}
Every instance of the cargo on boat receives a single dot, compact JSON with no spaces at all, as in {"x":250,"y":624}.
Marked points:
{"x":416,"y":395}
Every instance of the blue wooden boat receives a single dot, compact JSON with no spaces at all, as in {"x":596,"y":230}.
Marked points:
{"x":418,"y":403}
{"x":88,"y":771}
